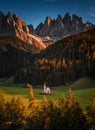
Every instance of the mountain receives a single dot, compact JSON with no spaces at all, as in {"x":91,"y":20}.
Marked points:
{"x":64,"y":62}
{"x":46,"y":33}
{"x":17,"y":43}
{"x":61,"y":27}
{"x":13,"y":25}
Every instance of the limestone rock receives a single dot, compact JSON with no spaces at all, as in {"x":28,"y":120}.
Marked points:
{"x":13,"y":25}
{"x":62,"y":27}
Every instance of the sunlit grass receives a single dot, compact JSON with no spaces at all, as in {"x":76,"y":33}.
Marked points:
{"x":9,"y":89}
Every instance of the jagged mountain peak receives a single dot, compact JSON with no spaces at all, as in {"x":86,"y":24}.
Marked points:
{"x":31,"y":29}
{"x":67,"y":17}
{"x":67,"y":14}
{"x":48,"y":20}
{"x":9,"y":14}
{"x":62,"y":27}
{"x":1,"y":14}
{"x":67,"y":21}
{"x":88,"y":25}
{"x":13,"y":25}
{"x":76,"y":18}
{"x":59,"y":18}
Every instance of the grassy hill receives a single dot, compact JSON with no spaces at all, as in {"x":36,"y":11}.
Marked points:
{"x":83,"y":83}
{"x":84,"y":92}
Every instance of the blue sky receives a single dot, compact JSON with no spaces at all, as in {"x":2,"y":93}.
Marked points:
{"x":35,"y":11}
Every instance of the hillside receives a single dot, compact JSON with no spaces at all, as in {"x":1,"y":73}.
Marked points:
{"x":14,"y":54}
{"x":17,"y":43}
{"x":83,"y":83}
{"x":65,"y":61}
{"x":13,"y":25}
{"x":84,"y":92}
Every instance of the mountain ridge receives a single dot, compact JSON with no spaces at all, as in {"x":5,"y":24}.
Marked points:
{"x":46,"y":33}
{"x":13,"y":25}
{"x":62,"y":26}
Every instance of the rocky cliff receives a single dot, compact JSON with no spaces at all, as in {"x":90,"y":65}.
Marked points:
{"x":60,"y":27}
{"x":13,"y":25}
{"x":46,"y":33}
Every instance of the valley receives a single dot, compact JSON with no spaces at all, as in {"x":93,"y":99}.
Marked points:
{"x":84,"y":88}
{"x":60,"y":53}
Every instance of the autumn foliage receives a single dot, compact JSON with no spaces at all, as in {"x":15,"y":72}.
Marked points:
{"x":65,"y":113}
{"x":64,"y":62}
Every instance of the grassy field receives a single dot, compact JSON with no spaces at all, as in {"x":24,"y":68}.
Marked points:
{"x":84,"y":88}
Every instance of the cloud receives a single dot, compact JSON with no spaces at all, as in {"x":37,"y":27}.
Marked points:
{"x":92,"y":12}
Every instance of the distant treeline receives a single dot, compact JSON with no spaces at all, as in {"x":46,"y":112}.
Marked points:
{"x":62,"y":114}
{"x":61,"y":63}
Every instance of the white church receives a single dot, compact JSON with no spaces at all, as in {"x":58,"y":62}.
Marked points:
{"x":46,"y":89}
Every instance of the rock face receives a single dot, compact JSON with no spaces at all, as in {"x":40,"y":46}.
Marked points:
{"x":60,"y":27}
{"x":31,"y":29}
{"x":67,"y":21}
{"x":13,"y":25}
{"x":46,"y":33}
{"x":57,"y":28}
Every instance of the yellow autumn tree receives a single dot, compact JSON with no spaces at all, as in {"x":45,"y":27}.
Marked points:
{"x":32,"y":99}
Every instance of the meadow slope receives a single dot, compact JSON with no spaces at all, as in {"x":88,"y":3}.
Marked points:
{"x":84,"y":88}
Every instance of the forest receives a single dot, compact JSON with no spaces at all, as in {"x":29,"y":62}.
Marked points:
{"x":63,"y":62}
{"x":65,"y":113}
{"x":14,"y":54}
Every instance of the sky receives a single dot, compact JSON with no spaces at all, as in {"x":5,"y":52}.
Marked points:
{"x":35,"y":11}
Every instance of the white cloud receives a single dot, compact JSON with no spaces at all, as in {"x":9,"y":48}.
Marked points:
{"x":92,"y":12}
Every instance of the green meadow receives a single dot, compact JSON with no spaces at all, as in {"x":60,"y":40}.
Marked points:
{"x":84,"y":88}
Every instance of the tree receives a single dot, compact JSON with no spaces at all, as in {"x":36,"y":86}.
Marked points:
{"x":73,"y":115}
{"x":2,"y":111}
{"x":32,"y":99}
{"x":15,"y":114}
{"x":91,"y":113}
